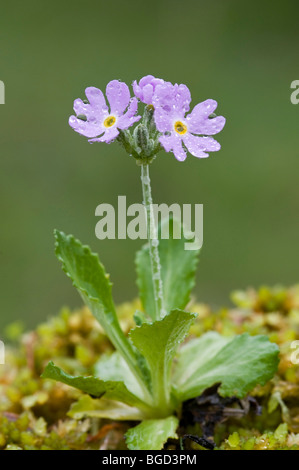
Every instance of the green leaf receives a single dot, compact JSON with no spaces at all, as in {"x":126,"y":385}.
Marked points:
{"x":158,"y":343}
{"x":114,"y":367}
{"x":90,"y":407}
{"x":139,"y":318}
{"x":178,"y":268}
{"x":93,"y":284}
{"x":238,"y":364}
{"x":88,"y":276}
{"x":114,"y":390}
{"x":195,"y":353}
{"x":152,"y":434}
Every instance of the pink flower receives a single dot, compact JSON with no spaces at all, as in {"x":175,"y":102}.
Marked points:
{"x":145,"y":89}
{"x":180,"y":132}
{"x":95,"y":121}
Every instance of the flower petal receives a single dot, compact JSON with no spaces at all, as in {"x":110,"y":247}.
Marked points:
{"x":182,"y":97}
{"x":144,"y":90}
{"x":146,"y":80}
{"x":82,"y":108}
{"x":199,"y":122}
{"x":162,"y":96}
{"x":96,"y":98}
{"x":129,"y":118}
{"x":95,"y":112}
{"x":163,"y":120}
{"x":204,"y":109}
{"x":166,"y":142}
{"x":173,"y":143}
{"x":197,"y":146}
{"x":175,"y":99}
{"x":109,"y":135}
{"x":178,"y":150}
{"x":209,"y":126}
{"x":118,"y":95}
{"x":147,"y":93}
{"x":91,"y":128}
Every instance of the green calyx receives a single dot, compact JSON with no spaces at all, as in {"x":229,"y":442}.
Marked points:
{"x":143,"y":144}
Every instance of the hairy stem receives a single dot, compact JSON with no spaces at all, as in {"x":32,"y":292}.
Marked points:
{"x":152,"y":236}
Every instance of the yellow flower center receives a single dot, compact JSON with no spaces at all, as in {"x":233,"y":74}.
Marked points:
{"x":109,"y":121}
{"x":180,"y":127}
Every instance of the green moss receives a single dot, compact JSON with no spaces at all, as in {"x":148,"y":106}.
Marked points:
{"x":34,"y":412}
{"x":234,"y":439}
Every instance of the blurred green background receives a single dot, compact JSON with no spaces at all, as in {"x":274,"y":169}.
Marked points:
{"x":243,"y":54}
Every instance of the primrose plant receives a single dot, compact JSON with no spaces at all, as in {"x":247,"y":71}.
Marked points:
{"x":150,"y":374}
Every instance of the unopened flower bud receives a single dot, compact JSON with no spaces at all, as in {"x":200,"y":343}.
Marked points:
{"x":141,"y":138}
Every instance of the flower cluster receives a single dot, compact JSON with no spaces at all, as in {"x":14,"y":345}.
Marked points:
{"x":176,"y":129}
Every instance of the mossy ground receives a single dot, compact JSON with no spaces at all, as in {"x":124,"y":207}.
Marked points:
{"x":34,"y":412}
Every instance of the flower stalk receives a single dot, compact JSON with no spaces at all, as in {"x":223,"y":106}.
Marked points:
{"x":153,"y":241}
